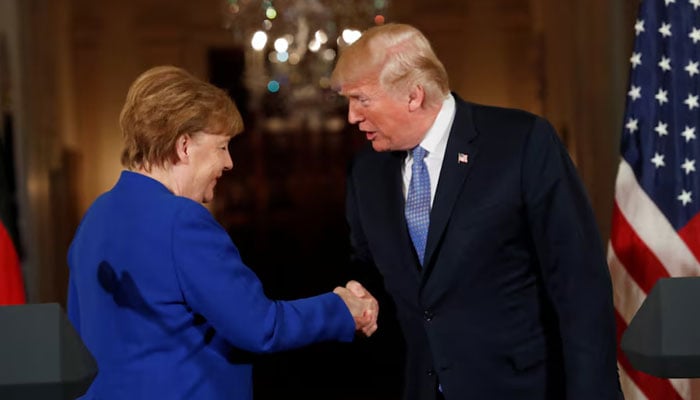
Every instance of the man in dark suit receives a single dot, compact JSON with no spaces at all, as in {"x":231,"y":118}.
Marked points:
{"x":481,"y":229}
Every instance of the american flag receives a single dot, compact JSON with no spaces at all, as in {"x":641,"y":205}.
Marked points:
{"x":655,"y":225}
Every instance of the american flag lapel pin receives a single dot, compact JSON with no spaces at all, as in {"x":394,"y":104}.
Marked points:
{"x":462,"y":158}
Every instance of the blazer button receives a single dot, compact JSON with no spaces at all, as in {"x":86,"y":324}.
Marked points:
{"x":430,"y":372}
{"x":427,"y":315}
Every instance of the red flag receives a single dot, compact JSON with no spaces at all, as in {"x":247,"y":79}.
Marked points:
{"x":656,"y":216}
{"x":11,"y":282}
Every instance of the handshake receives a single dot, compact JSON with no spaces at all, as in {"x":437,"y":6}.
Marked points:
{"x":362,"y":305}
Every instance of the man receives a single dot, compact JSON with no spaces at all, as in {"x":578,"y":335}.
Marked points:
{"x":481,"y":230}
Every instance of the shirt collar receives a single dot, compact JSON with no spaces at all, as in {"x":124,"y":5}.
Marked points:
{"x":435,"y":140}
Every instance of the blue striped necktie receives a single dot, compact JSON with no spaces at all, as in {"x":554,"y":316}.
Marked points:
{"x":418,"y":202}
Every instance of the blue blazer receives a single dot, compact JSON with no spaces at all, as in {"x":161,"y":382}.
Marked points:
{"x":514,"y":300}
{"x":160,"y":296}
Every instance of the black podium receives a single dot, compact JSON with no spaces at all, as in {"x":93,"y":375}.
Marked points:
{"x":663,"y":338}
{"x":41,"y":355}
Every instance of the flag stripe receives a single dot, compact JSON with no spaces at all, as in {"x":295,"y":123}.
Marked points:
{"x":651,"y":225}
{"x":628,"y":295}
{"x":630,"y":388}
{"x":690,"y":234}
{"x":631,"y":250}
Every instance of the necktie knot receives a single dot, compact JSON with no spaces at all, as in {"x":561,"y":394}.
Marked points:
{"x":419,"y":153}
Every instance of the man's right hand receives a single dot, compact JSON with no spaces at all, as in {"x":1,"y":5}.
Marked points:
{"x":362,"y":305}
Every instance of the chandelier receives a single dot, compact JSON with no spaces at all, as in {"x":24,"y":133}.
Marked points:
{"x":290,"y":49}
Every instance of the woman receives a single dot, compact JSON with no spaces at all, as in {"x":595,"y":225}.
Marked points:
{"x":157,"y":290}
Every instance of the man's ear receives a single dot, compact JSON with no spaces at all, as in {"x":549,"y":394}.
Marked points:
{"x":415,"y":98}
{"x":182,"y":145}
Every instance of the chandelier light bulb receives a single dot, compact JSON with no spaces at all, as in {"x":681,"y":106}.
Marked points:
{"x":328,"y":55}
{"x":259,"y":40}
{"x":351,"y":35}
{"x":320,"y":36}
{"x":282,"y":56}
{"x":314,"y":45}
{"x":281,"y":45}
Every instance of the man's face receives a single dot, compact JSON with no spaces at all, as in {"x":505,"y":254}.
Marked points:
{"x":384,"y":118}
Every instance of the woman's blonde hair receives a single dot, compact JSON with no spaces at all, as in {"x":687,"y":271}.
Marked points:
{"x":165,"y":103}
{"x":399,"y":56}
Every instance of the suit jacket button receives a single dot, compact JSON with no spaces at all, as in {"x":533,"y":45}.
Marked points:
{"x":430,"y":372}
{"x":427,"y":315}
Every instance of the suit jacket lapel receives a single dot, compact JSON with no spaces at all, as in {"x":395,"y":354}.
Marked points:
{"x":394,"y":210}
{"x":452,"y":175}
{"x":387,"y":181}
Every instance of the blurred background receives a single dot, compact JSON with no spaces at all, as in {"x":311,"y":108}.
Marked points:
{"x":65,"y":67}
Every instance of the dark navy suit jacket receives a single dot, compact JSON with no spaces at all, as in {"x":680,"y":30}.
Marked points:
{"x":160,"y":296}
{"x":514,"y":300}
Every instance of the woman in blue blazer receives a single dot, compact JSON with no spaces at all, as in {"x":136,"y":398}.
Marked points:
{"x":157,"y":290}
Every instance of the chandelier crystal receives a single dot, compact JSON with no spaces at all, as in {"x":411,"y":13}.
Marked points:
{"x":290,"y":48}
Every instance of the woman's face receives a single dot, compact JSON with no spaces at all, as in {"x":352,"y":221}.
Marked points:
{"x":208,"y":158}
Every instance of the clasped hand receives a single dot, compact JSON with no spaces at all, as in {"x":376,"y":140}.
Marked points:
{"x":362,"y":305}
